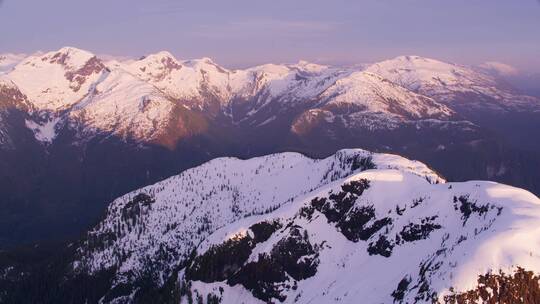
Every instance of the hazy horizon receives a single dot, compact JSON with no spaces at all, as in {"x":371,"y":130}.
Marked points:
{"x":240,"y":34}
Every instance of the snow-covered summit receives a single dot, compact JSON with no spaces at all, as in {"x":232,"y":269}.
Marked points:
{"x":71,"y":57}
{"x":181,"y":80}
{"x":426,"y":75}
{"x":56,"y":80}
{"x":373,"y":93}
{"x":124,"y":106}
{"x":454,"y":84}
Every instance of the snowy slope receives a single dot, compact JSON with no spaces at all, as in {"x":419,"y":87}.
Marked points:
{"x":182,"y":80}
{"x":499,"y":69}
{"x":381,"y":235}
{"x":372,"y":93}
{"x":120,"y":104}
{"x":428,"y":75}
{"x":185,"y":79}
{"x":401,"y":239}
{"x":244,"y":93}
{"x":198,"y":83}
{"x":368,"y":101}
{"x":166,"y":221}
{"x":286,"y":81}
{"x":375,"y":94}
{"x":449,"y":83}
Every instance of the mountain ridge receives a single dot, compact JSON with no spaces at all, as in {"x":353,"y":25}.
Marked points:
{"x":253,"y":96}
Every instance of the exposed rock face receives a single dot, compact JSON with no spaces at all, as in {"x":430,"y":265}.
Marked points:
{"x":12,"y":97}
{"x":14,"y":108}
{"x":79,"y":76}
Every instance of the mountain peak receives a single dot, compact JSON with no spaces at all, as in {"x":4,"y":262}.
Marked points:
{"x":154,"y":65}
{"x":158,"y":56}
{"x":59,"y":78}
{"x":161,"y":61}
{"x":70,"y":57}
{"x":421,"y":73}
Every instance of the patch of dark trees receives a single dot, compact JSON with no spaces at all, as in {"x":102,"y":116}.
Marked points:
{"x":351,"y":220}
{"x":414,"y":232}
{"x":222,"y":261}
{"x":349,"y":164}
{"x":292,"y":258}
{"x":468,"y":207}
{"x":399,"y":293}
{"x":522,"y":286}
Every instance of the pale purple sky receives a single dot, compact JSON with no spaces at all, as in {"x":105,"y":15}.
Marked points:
{"x":239,"y":33}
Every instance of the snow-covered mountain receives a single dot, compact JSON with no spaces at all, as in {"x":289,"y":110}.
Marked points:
{"x":140,"y":100}
{"x":56,"y":80}
{"x":287,"y":228}
{"x":366,"y":100}
{"x":457,"y":86}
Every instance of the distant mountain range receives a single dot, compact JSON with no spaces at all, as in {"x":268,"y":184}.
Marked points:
{"x":77,"y":131}
{"x":140,"y":100}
